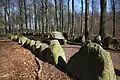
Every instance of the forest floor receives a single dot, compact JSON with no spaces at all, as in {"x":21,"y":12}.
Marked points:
{"x":18,"y":63}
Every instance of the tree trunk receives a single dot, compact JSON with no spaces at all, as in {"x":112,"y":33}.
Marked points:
{"x":92,"y":16}
{"x":81,"y":17}
{"x":62,"y":18}
{"x":5,"y":16}
{"x":73,"y":19}
{"x":46,"y":15}
{"x":56,"y":16}
{"x":68,"y":31}
{"x":60,"y":4}
{"x":102,"y":18}
{"x":8,"y":14}
{"x":30,"y":20}
{"x":20,"y":11}
{"x":43,"y":29}
{"x":39,"y":22}
{"x":86,"y":20}
{"x":35,"y":18}
{"x":113,"y":8}
{"x":25,"y":9}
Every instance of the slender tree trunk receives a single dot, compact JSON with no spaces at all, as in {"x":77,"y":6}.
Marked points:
{"x":5,"y":16}
{"x":43,"y":28}
{"x":56,"y":16}
{"x":92,"y":16}
{"x":39,"y":21}
{"x":86,"y":19}
{"x":46,"y":15}
{"x":35,"y":18}
{"x":68,"y":17}
{"x":8,"y":13}
{"x":30,"y":20}
{"x":113,"y":8}
{"x":62,"y":19}
{"x":20,"y":11}
{"x":73,"y":19}
{"x":102,"y":18}
{"x":81,"y":17}
{"x":60,"y":4}
{"x":25,"y":9}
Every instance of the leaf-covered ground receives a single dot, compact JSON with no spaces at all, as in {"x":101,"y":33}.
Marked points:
{"x":18,"y":63}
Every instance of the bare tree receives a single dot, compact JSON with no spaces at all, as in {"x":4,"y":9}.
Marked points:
{"x":35,"y":18}
{"x":43,"y":27}
{"x":92,"y":17}
{"x":81,"y":17}
{"x":68,"y":3}
{"x":86,"y":19}
{"x":5,"y":16}
{"x":113,"y":8}
{"x":56,"y":11}
{"x":62,"y":17}
{"x":73,"y":19}
{"x":25,"y":13}
{"x":21,"y":12}
{"x":46,"y":14}
{"x":60,"y":11}
{"x":102,"y":18}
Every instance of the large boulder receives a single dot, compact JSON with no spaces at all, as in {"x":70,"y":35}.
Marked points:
{"x":112,"y":43}
{"x":97,"y":39}
{"x":59,"y":36}
{"x":32,"y":46}
{"x":57,"y":51}
{"x":80,"y":39}
{"x":91,"y":62}
{"x":54,"y":54}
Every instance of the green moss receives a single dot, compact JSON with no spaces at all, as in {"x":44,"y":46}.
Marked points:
{"x":43,"y":46}
{"x":110,"y":42}
{"x":92,"y":62}
{"x":38,"y":43}
{"x":23,"y":40}
{"x":32,"y":42}
{"x":16,"y":37}
{"x":57,"y":51}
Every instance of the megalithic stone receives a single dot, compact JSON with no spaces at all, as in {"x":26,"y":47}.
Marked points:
{"x":36,"y":52}
{"x":91,"y":62}
{"x":38,"y":43}
{"x":57,"y":51}
{"x":20,"y":41}
{"x":15,"y":38}
{"x":23,"y":39}
{"x":32,"y":46}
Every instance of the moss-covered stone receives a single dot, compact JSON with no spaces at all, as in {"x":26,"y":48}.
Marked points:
{"x":110,"y":42}
{"x":32,"y":42}
{"x":32,"y":46}
{"x":91,"y":62}
{"x":58,"y":36}
{"x":80,"y":39}
{"x":12,"y":36}
{"x":23,"y":40}
{"x":57,"y":51}
{"x":20,"y":39}
{"x":38,"y":43}
{"x":53,"y":54}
